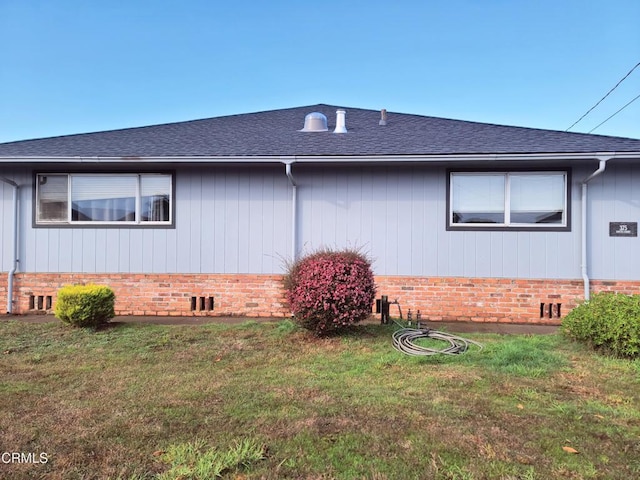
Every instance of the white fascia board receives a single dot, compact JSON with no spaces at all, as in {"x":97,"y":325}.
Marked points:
{"x":515,"y":157}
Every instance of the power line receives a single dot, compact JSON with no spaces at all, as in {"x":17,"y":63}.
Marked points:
{"x":600,"y":101}
{"x":615,"y":114}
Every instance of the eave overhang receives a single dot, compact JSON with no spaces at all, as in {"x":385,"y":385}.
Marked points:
{"x":321,"y":159}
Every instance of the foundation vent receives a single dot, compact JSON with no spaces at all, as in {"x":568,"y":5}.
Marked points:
{"x":202,"y":304}
{"x":40,"y":302}
{"x":550,"y":310}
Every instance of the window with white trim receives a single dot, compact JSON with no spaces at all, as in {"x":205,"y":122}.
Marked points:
{"x":508,"y":199}
{"x":104,"y":198}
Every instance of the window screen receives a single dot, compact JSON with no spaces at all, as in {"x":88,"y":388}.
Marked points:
{"x":126,"y":198}
{"x":508,"y":199}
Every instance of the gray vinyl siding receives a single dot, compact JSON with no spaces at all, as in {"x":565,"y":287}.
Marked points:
{"x":238,"y":220}
{"x":22,"y":178}
{"x":614,"y":197}
{"x":227,"y":220}
{"x":398,"y":217}
{"x":5,"y":227}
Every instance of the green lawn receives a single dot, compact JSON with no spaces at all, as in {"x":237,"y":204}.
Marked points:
{"x":266,"y":400}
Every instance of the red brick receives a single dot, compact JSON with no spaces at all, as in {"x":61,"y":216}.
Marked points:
{"x":437,"y":298}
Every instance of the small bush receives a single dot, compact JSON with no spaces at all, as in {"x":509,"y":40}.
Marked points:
{"x":609,"y":322}
{"x":330,"y":290}
{"x":85,"y":305}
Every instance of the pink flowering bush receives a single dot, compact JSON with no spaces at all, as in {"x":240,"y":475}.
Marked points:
{"x":330,"y":290}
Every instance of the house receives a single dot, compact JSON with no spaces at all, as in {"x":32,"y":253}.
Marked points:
{"x":463,"y":220}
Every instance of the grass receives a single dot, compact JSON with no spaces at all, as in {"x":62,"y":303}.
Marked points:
{"x":269,"y":401}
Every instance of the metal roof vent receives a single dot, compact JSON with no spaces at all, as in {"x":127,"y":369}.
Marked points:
{"x":315,"y":122}
{"x":383,"y":117}
{"x":341,"y":126}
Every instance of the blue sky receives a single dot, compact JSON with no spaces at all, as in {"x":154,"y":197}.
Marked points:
{"x":79,"y":66}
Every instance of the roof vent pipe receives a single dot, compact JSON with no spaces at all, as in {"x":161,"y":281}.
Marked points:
{"x":383,"y":117}
{"x":340,"y":122}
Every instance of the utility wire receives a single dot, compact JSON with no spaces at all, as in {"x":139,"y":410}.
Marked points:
{"x":615,"y":113}
{"x":600,"y":101}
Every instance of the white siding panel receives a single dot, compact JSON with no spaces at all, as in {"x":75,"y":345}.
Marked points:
{"x":238,"y":219}
{"x":112,"y":250}
{"x":538,"y":255}
{"x":523,"y":254}
{"x":364,"y":236}
{"x":404,"y":237}
{"x":497,"y":254}
{"x":183,"y":220}
{"x":252,"y":232}
{"x":483,"y":254}
{"x":88,"y":250}
{"x":37,"y":249}
{"x":64,"y":253}
{"x":550,"y":260}
{"x":148,"y":250}
{"x":195,"y":223}
{"x":53,"y":251}
{"x":231,"y":224}
{"x":100,"y":264}
{"x":469,"y":254}
{"x":614,"y":196}
{"x":510,"y":254}
{"x":172,"y":251}
{"x":136,"y":251}
{"x":219,"y":224}
{"x":353,"y":213}
{"x":243,"y":235}
{"x":124,"y":251}
{"x":456,"y":254}
{"x":76,"y":250}
{"x":391,"y":223}
{"x":208,"y":222}
{"x":6,"y":224}
{"x":341,"y":208}
{"x":412,"y":228}
{"x":265,"y":241}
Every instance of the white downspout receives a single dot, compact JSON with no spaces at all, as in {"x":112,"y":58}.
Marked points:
{"x":15,"y":261}
{"x":584,"y":263}
{"x":294,"y":210}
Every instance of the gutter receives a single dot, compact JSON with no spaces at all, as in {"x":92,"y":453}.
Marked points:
{"x":294,"y":208}
{"x":364,"y":158}
{"x":15,"y":261}
{"x":584,"y":263}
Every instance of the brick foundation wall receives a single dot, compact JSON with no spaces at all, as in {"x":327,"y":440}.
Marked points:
{"x":492,"y":299}
{"x":164,"y":294}
{"x":3,"y":292}
{"x":437,"y":298}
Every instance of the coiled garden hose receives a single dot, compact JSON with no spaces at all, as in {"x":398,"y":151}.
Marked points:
{"x":405,"y":338}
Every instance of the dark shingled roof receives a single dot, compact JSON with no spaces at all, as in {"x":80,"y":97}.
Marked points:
{"x":276,"y":133}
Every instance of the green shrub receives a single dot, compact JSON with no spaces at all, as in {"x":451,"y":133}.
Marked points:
{"x":609,"y":322}
{"x":85,"y":305}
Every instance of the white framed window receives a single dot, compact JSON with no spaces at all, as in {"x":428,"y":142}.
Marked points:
{"x":104,"y":199}
{"x":508,"y":200}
